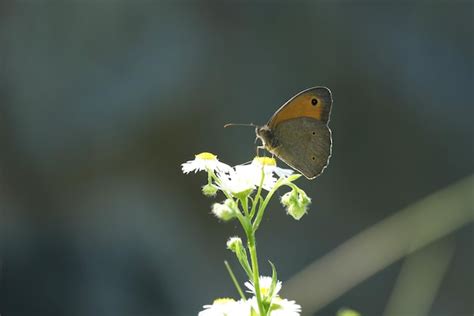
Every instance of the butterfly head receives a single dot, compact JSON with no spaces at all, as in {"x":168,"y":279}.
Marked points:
{"x":267,"y":136}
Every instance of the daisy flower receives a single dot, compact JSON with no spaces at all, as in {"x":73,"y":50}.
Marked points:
{"x":247,"y":177}
{"x":270,"y":166}
{"x":265,"y":283}
{"x":204,"y":162}
{"x":284,"y":307}
{"x":235,"y":182}
{"x":226,"y":307}
{"x":254,"y":170}
{"x":279,"y":307}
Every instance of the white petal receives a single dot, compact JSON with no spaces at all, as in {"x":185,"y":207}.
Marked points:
{"x":201,"y":164}
{"x":287,"y":308}
{"x":280,"y":172}
{"x":235,"y":181}
{"x":265,"y":282}
{"x":230,"y":308}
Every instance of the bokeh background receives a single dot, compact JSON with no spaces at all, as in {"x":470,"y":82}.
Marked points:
{"x":101,"y":101}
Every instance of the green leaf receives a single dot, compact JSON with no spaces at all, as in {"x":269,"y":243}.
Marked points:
{"x":293,"y":177}
{"x":234,"y":280}
{"x":274,"y":281}
{"x":244,"y":262}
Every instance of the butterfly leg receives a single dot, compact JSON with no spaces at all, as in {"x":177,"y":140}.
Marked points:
{"x":258,"y":147}
{"x":258,"y":150}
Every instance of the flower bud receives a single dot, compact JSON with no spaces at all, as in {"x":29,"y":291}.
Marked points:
{"x":296,"y":203}
{"x":235,"y":244}
{"x":209,"y":190}
{"x":225,"y":211}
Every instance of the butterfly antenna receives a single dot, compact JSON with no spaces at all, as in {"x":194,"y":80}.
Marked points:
{"x":239,"y":124}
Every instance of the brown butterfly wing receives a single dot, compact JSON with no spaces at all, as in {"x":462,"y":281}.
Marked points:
{"x":304,"y":144}
{"x":313,"y":103}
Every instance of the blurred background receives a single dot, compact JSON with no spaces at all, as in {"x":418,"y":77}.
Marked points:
{"x":101,"y":101}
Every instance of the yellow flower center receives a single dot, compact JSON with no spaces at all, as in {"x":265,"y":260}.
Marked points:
{"x":206,"y":156}
{"x":223,"y":300}
{"x":265,"y":161}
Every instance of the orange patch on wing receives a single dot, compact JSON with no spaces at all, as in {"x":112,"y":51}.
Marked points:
{"x":301,"y":106}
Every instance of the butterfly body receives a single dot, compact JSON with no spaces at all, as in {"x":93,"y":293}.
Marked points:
{"x":298,"y":132}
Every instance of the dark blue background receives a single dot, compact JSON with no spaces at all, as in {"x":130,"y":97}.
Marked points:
{"x":100,"y":102}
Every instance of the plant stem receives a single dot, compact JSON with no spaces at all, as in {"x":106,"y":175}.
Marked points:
{"x":258,"y":195}
{"x":262,"y":207}
{"x":244,"y":203}
{"x":256,"y":281}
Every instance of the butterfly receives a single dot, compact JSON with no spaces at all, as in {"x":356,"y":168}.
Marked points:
{"x":298,"y":132}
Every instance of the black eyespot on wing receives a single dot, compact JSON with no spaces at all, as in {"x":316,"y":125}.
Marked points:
{"x":314,"y":101}
{"x":324,"y":98}
{"x":314,"y":133}
{"x":314,"y":158}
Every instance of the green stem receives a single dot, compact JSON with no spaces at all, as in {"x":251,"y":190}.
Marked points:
{"x":245,"y":222}
{"x":244,"y":263}
{"x":256,"y":281}
{"x":263,"y":206}
{"x":234,"y":279}
{"x":244,"y":203}
{"x":243,"y":219}
{"x":257,"y":196}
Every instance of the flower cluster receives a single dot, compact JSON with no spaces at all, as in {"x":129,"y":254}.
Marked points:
{"x":248,"y":307}
{"x":242,"y":180}
{"x":244,"y":189}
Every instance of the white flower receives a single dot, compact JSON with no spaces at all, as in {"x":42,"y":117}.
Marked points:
{"x":253,"y":174}
{"x":205,"y":161}
{"x":226,"y":307}
{"x":270,"y":167}
{"x":279,"y":307}
{"x":284,"y":307}
{"x":235,"y":182}
{"x":265,"y":283}
{"x":247,"y":177}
